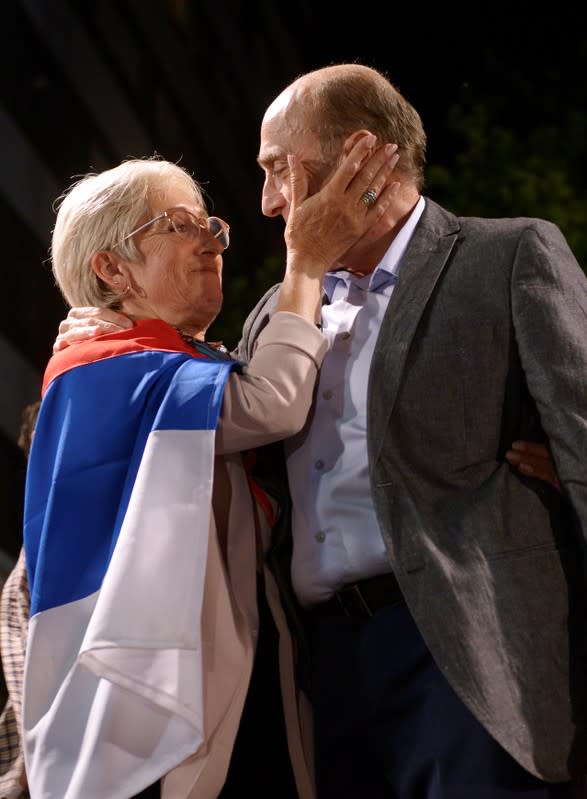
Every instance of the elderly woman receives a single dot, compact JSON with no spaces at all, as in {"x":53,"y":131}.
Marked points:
{"x":141,"y":524}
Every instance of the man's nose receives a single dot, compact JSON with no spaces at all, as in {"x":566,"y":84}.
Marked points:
{"x":272,"y":201}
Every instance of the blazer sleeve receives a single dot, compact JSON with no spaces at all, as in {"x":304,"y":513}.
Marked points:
{"x":549,"y":304}
{"x":271,"y":398}
{"x":255,"y":322}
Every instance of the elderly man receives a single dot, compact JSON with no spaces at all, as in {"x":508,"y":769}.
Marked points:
{"x":443,"y":589}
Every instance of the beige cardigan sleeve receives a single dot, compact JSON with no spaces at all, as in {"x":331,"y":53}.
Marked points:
{"x":271,"y":399}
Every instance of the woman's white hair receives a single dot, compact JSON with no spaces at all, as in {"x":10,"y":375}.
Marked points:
{"x":99,"y":210}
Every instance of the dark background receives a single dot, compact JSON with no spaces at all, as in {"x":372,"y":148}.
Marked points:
{"x":502,"y":93}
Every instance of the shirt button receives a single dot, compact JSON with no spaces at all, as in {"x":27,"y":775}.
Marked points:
{"x":345,"y":335}
{"x":319,"y":464}
{"x":327,"y":394}
{"x":320,"y":537}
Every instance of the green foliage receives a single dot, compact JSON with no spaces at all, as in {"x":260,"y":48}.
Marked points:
{"x":501,"y":172}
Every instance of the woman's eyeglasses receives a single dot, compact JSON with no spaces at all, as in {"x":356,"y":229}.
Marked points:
{"x":186,"y":225}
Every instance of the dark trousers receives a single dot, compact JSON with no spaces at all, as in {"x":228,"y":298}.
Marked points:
{"x":389,"y":726}
{"x":260,"y":764}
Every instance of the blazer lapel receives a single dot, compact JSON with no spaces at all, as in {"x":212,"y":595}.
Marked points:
{"x":422,"y":265}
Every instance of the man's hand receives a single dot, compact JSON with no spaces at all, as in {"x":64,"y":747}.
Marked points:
{"x":533,"y":460}
{"x":84,"y":323}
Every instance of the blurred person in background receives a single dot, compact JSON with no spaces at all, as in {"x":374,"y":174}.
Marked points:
{"x":14,"y":618}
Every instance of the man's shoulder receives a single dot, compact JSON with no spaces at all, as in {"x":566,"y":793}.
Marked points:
{"x":256,"y":321}
{"x":438,"y":215}
{"x":495,"y":233}
{"x":269,"y":299}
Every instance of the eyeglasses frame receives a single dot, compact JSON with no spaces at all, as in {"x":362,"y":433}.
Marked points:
{"x":224,"y":226}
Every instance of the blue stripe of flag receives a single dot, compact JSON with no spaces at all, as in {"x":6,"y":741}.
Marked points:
{"x":91,"y":432}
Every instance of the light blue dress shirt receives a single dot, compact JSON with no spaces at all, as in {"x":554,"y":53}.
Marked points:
{"x":336,"y":535}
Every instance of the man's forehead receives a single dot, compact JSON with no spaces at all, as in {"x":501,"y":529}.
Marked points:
{"x":284,"y":134}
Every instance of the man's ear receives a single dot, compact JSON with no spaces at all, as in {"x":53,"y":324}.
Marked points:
{"x":107,"y":266}
{"x":353,"y":139}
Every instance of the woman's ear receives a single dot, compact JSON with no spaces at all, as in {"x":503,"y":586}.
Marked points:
{"x":106,"y":265}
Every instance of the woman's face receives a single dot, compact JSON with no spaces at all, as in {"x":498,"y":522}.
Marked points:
{"x":179,"y":279}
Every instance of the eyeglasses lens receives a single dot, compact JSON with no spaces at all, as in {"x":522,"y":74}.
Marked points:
{"x":189,"y":227}
{"x":219,"y":230}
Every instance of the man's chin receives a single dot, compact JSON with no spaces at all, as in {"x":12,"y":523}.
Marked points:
{"x":352,"y":258}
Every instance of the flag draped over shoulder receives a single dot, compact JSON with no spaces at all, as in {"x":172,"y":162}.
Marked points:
{"x":117,"y":518}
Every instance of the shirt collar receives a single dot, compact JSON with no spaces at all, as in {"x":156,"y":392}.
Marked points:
{"x":386,"y":272}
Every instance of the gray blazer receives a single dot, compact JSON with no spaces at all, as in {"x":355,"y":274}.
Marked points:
{"x":485,"y":341}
